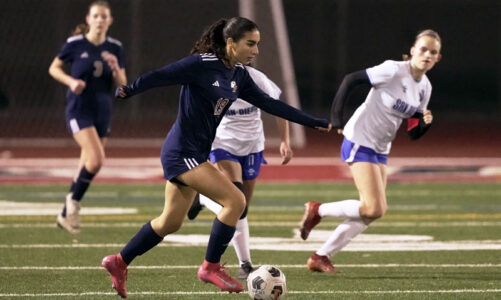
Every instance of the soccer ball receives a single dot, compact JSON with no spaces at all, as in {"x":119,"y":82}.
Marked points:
{"x":266,"y":283}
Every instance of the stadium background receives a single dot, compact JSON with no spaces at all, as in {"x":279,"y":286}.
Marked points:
{"x":327,"y":39}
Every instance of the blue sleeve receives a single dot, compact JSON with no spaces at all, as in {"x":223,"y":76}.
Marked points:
{"x":121,"y":57}
{"x":180,"y":72}
{"x":254,"y":95}
{"x":65,"y":54}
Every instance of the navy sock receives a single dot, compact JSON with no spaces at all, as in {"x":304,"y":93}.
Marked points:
{"x":220,"y":237}
{"x":145,"y":239}
{"x":82,"y":184}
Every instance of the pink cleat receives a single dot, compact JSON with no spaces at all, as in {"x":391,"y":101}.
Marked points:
{"x":310,"y":218}
{"x":320,"y":263}
{"x":216,"y":274}
{"x":117,"y":268}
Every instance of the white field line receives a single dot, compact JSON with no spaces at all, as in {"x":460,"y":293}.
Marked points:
{"x":205,"y":223}
{"x":300,"y":266}
{"x":462,"y":291}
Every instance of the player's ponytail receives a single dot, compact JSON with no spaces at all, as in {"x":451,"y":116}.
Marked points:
{"x":212,"y":40}
{"x":214,"y":37}
{"x":80,"y":29}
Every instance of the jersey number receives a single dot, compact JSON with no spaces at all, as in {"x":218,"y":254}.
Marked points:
{"x":220,"y":105}
{"x":98,"y":68}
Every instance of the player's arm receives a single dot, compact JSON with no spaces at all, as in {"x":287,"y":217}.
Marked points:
{"x":178,"y":72}
{"x":285,"y":148}
{"x":254,"y":95}
{"x":349,"y":83}
{"x":56,"y":71}
{"x":418,"y":124}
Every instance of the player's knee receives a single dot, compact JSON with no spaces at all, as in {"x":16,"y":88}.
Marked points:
{"x":373,"y":212}
{"x":95,"y":163}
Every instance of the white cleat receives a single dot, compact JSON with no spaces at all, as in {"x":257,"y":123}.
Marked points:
{"x":73,"y":212}
{"x":63,"y":223}
{"x":71,"y":222}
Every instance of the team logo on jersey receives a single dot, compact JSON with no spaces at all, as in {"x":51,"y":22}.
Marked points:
{"x":421,"y":95}
{"x":84,"y":55}
{"x":220,"y":105}
{"x":216,"y":83}
{"x":234,"y":86}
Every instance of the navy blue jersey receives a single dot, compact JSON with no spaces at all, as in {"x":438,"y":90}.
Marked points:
{"x":208,"y":89}
{"x":88,"y":65}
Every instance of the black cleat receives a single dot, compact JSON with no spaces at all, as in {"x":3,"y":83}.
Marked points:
{"x":245,"y":269}
{"x":195,"y":208}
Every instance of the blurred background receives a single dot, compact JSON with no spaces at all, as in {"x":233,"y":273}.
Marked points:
{"x":326,"y":38}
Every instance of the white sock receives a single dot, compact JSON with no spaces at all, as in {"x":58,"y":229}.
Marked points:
{"x":241,"y":239}
{"x":346,"y":209}
{"x":210,"y":204}
{"x":341,"y":236}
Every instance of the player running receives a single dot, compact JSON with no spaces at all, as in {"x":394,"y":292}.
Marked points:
{"x":97,"y":62}
{"x":211,"y":80}
{"x":237,"y":151}
{"x":400,"y":90}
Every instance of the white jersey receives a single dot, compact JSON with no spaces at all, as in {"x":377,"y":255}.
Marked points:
{"x":241,"y":129}
{"x":395,"y":95}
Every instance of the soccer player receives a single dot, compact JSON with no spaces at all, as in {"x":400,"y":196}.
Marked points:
{"x":97,"y":62}
{"x":237,"y":151}
{"x":400,"y":90}
{"x":211,"y":80}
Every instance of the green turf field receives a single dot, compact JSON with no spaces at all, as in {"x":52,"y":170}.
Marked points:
{"x":40,"y":261}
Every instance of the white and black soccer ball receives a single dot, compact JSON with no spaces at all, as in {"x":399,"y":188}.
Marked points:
{"x":266,"y":283}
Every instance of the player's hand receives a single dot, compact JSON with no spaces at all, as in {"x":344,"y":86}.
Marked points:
{"x":285,"y":152}
{"x":111,"y":60}
{"x":77,"y":86}
{"x":339,"y":131}
{"x":427,"y":117}
{"x":324,"y":129}
{"x":120,"y":92}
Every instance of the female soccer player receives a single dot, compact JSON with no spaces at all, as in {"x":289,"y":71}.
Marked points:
{"x":210,"y":81}
{"x":237,"y":151}
{"x":97,"y":62}
{"x":400,"y":90}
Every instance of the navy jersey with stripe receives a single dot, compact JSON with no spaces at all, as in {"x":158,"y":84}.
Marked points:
{"x":208,"y":89}
{"x":88,"y":65}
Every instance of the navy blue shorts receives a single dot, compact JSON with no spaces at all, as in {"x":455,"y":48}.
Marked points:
{"x":251,"y":164}
{"x":76,"y":124}
{"x":351,"y":152}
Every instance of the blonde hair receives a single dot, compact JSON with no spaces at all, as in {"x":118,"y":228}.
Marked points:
{"x":83,"y":28}
{"x":427,"y":32}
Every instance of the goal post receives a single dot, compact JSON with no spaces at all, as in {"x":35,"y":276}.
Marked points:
{"x":275,"y":60}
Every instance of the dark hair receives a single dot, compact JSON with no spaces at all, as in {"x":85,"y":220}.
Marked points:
{"x":214,"y":37}
{"x":427,"y":32}
{"x":83,"y":28}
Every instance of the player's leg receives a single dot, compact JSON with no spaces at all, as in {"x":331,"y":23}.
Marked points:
{"x":91,"y":159}
{"x":209,"y":181}
{"x":177,"y":201}
{"x":369,"y":180}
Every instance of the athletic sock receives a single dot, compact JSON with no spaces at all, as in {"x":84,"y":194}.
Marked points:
{"x":341,"y":236}
{"x":210,"y":204}
{"x":240,"y":241}
{"x":82,"y":183}
{"x":145,"y":239}
{"x":346,"y":209}
{"x":220,"y":236}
